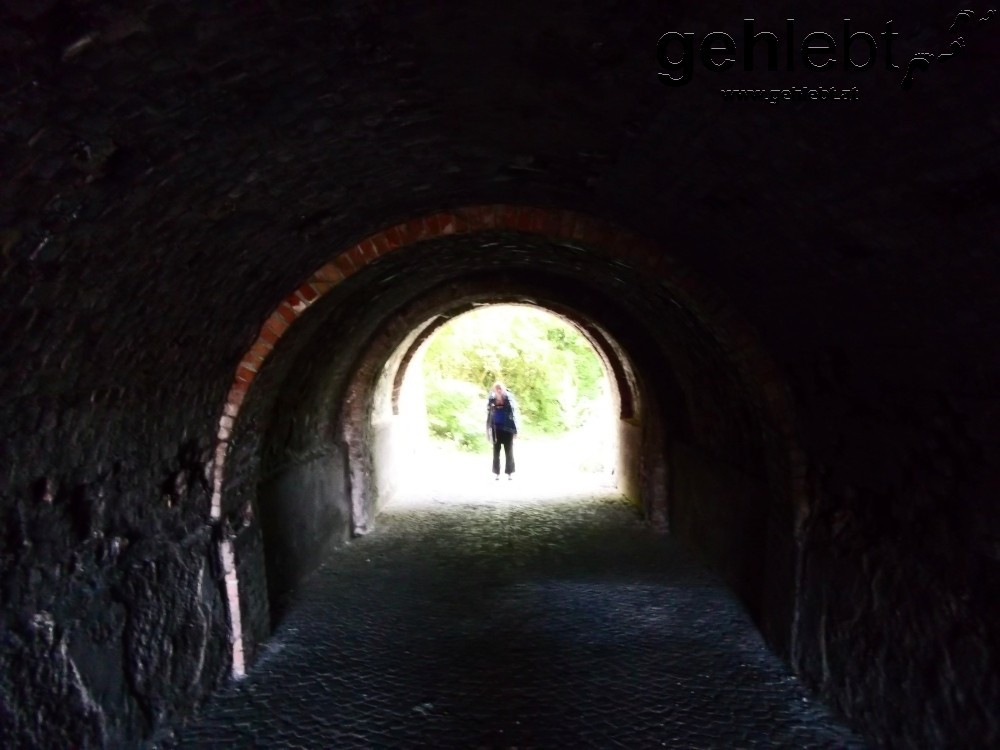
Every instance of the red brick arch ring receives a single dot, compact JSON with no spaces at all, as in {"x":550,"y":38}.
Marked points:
{"x":762,"y":378}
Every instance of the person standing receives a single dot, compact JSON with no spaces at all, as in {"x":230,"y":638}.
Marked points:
{"x":501,"y":427}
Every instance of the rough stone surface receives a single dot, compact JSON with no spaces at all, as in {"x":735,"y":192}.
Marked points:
{"x":171,"y":171}
{"x":511,"y":623}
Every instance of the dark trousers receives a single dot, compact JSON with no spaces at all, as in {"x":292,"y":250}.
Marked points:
{"x":506,"y":439}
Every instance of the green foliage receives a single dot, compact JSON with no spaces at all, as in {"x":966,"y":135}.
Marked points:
{"x":455,"y":412}
{"x":550,"y":368}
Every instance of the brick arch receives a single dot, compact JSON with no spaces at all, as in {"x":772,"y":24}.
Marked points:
{"x":411,"y":350}
{"x":765,"y":384}
{"x":556,"y":225}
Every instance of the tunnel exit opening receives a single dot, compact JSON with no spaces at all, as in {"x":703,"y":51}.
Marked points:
{"x":385,"y":423}
{"x":429,"y":412}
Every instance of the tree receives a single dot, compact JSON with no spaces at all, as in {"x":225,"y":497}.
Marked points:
{"x":546,"y":363}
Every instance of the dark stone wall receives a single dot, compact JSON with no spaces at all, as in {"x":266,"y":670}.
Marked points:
{"x":110,"y":639}
{"x":717,"y":511}
{"x":629,"y":450}
{"x":171,"y":171}
{"x":113,"y":612}
{"x":287,"y":471}
{"x":899,"y":565}
{"x":304,"y":509}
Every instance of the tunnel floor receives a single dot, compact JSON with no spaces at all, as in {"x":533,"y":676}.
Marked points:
{"x":508,"y":621}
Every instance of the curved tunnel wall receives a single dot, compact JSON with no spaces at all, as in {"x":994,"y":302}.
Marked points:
{"x":172,"y":170}
{"x":712,"y":440}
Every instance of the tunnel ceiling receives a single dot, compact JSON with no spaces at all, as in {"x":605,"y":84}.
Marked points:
{"x":169,"y":159}
{"x":220,"y":159}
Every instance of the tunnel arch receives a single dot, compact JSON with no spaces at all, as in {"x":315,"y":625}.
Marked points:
{"x":457,"y":298}
{"x":761,"y":391}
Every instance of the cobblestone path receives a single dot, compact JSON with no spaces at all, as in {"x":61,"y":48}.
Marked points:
{"x":511,"y":623}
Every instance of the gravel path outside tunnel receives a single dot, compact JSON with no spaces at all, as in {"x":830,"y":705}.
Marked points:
{"x":512,"y":622}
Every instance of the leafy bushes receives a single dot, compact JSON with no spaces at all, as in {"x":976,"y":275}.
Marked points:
{"x":456,"y":411}
{"x":550,"y":368}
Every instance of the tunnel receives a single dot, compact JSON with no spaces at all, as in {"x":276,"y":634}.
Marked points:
{"x":228,"y":228}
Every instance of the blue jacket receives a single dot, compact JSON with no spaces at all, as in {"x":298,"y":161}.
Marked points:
{"x":509,"y":414}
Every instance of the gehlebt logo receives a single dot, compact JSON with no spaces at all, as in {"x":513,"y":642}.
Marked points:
{"x":793,"y":49}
